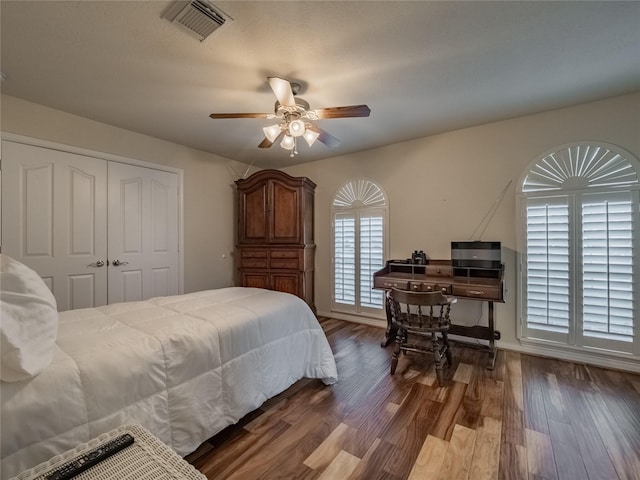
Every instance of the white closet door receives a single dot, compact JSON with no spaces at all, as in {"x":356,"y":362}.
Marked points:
{"x":54,"y":212}
{"x":143,"y":233}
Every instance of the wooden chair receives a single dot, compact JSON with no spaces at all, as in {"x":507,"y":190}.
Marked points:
{"x":421,"y":318}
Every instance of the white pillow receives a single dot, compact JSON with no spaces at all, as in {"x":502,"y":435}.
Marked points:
{"x":28,"y":322}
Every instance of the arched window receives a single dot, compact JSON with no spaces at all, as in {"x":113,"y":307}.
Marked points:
{"x":579,"y":245}
{"x":359,"y":214}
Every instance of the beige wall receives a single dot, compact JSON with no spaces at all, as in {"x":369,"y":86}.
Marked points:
{"x":208,"y":179}
{"x":440,"y":187}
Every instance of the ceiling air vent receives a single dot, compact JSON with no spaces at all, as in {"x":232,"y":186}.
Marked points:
{"x":200,"y":18}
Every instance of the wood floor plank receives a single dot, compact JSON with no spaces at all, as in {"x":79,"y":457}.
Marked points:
{"x":322,"y":456}
{"x":468,"y":414}
{"x":540,"y":459}
{"x":410,"y":440}
{"x":405,"y":414}
{"x":513,"y":415}
{"x":443,"y":427}
{"x":463,"y":373}
{"x":535,"y":414}
{"x":513,"y":462}
{"x":287,"y":454}
{"x":554,"y":405}
{"x":244,"y":447}
{"x":457,"y":461}
{"x":375,"y":426}
{"x":341,"y":468}
{"x":623,"y":455}
{"x":587,"y":436}
{"x":372,"y":464}
{"x":429,"y":461}
{"x":622,"y":401}
{"x":492,"y":404}
{"x":569,"y":462}
{"x":486,"y":452}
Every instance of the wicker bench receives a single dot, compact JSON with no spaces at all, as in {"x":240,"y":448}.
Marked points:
{"x":146,"y":459}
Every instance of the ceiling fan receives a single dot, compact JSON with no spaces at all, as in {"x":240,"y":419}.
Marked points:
{"x":294,"y":118}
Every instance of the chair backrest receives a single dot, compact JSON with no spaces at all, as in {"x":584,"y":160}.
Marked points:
{"x":428,"y":309}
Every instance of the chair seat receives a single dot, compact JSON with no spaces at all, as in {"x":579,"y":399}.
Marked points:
{"x":423,"y":316}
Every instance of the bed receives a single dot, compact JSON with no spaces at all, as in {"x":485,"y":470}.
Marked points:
{"x":184,"y":367}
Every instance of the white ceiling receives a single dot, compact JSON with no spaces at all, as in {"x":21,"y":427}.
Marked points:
{"x":423,"y":67}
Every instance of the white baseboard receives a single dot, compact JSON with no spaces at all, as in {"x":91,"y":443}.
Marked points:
{"x":373,"y":322}
{"x":599,"y":359}
{"x":590,"y":358}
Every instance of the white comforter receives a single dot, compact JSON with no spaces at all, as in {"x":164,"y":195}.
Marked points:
{"x":184,"y":367}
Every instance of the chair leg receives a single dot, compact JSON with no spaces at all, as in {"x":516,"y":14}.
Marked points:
{"x":435,"y":344}
{"x":396,"y":352}
{"x":445,"y":340}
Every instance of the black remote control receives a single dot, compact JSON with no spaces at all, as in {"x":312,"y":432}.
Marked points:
{"x":90,"y":459}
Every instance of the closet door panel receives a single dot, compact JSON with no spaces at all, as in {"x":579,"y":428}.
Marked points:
{"x":36,"y":216}
{"x":54,"y":220}
{"x":143,"y":233}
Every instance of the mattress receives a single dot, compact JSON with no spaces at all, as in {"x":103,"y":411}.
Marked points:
{"x":184,"y":367}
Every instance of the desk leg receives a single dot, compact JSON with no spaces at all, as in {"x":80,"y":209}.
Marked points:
{"x":492,"y":342}
{"x":390,"y":333}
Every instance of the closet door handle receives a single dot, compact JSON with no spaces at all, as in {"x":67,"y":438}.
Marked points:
{"x":98,"y":264}
{"x":118,"y":263}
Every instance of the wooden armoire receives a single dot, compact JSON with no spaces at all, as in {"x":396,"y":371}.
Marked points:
{"x":275,"y":246}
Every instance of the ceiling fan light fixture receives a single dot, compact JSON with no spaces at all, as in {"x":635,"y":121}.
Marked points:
{"x":296,"y":128}
{"x":310,"y":136}
{"x":288,"y":142}
{"x":272,"y":132}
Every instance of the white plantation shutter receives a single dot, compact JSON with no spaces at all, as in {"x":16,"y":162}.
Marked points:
{"x":608,"y":263}
{"x":359,"y":237}
{"x":580,"y":247}
{"x":547,"y":265}
{"x":344,"y":254}
{"x":371,"y":258}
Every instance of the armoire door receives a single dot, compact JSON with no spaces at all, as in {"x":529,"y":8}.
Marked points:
{"x":284,"y":212}
{"x":54,"y":220}
{"x":143,"y":233}
{"x":252,"y":222}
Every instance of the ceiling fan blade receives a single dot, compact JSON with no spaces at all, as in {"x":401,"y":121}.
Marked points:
{"x":266,"y":143}
{"x":240,"y":115}
{"x":325,"y":137}
{"x":282,"y":89}
{"x":344,"y":112}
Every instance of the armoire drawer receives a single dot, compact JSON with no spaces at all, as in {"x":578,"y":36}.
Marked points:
{"x":254,"y":258}
{"x":290,"y":259}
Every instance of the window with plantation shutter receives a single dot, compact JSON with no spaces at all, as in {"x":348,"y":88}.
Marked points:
{"x":547,"y":256}
{"x":344,"y":272}
{"x":579,"y":248}
{"x":607,"y":259}
{"x":359,"y":241}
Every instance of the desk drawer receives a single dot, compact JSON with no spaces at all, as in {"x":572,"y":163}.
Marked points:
{"x":438,"y":270}
{"x":389,"y":283}
{"x":430,"y":287}
{"x":483,"y":292}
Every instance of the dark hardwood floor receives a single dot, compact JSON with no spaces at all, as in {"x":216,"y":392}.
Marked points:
{"x":529,"y":418}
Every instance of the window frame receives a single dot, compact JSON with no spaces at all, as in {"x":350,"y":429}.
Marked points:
{"x":575,"y":191}
{"x":358,"y":197}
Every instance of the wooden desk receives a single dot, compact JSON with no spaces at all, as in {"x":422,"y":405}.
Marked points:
{"x":478,"y":284}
